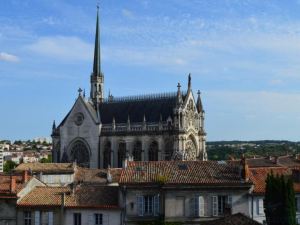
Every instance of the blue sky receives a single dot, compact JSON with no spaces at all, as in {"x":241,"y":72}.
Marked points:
{"x":244,"y":56}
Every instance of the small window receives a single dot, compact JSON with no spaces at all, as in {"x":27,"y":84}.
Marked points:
{"x":98,"y":219}
{"x":27,"y":218}
{"x":77,"y":219}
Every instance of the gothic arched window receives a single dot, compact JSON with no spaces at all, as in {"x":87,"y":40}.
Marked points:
{"x":121,"y":153}
{"x":80,"y":153}
{"x":107,"y":155}
{"x":169,"y":148}
{"x":153,"y":151}
{"x":190,"y":150}
{"x":137,"y":151}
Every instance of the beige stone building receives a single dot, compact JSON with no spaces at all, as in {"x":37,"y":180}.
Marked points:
{"x":188,"y":192}
{"x":102,"y":131}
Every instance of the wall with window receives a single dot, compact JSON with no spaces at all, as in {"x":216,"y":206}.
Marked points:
{"x":198,"y":205}
{"x":143,"y":204}
{"x":57,"y":179}
{"x":185,"y":205}
{"x":92,"y":217}
{"x":45,"y":216}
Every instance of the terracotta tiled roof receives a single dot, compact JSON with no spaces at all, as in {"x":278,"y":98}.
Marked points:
{"x":259,"y":175}
{"x":97,"y":175}
{"x":46,"y":167}
{"x":83,"y":196}
{"x":181,"y":172}
{"x":236,"y":219}
{"x":5,"y":184}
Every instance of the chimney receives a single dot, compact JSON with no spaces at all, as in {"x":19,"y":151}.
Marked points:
{"x":25,"y":176}
{"x":244,"y":169}
{"x":13,"y":184}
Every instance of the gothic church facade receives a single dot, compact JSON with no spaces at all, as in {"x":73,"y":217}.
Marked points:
{"x":101,"y":132}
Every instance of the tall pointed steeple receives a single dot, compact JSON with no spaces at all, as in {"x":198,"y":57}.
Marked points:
{"x":199,"y":102}
{"x":97,"y":56}
{"x":97,"y":77}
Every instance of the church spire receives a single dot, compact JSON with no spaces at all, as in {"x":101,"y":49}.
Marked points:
{"x":97,"y":78}
{"x":199,"y":102}
{"x":97,"y":57}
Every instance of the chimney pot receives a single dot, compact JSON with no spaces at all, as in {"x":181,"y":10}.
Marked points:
{"x":13,"y":184}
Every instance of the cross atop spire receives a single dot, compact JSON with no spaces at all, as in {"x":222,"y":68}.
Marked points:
{"x":97,"y":56}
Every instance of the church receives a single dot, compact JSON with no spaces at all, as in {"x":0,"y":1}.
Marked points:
{"x":103,"y":131}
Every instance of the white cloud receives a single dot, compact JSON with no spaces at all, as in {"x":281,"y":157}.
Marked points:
{"x":127,"y":13}
{"x":8,"y":57}
{"x":62,"y":47}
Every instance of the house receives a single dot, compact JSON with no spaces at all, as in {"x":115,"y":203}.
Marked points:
{"x":71,"y":205}
{"x":186,"y":191}
{"x":12,"y":188}
{"x":258,"y":176}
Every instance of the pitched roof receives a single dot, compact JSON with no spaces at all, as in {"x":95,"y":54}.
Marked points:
{"x":84,"y":196}
{"x":46,"y":167}
{"x":136,"y":107}
{"x":182,"y":172}
{"x":259,"y":175}
{"x":236,"y":219}
{"x":96,"y":175}
{"x":5,"y":184}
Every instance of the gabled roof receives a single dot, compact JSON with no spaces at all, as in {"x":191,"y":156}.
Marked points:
{"x":152,"y":106}
{"x":5,"y":184}
{"x":98,"y":176}
{"x":88,"y":105}
{"x":259,"y":175}
{"x":83,"y":196}
{"x":46,"y":167}
{"x":182,"y":172}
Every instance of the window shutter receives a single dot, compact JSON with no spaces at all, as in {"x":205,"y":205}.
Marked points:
{"x":105,"y":219}
{"x":140,"y":205}
{"x":37,"y":218}
{"x":50,"y":218}
{"x":156,"y":205}
{"x":201,"y":205}
{"x":192,"y":206}
{"x":92,"y":219}
{"x":260,"y":206}
{"x":215,"y":205}
{"x":196,"y":206}
{"x":298,"y":204}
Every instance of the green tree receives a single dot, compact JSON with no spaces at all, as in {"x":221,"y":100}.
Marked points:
{"x":9,"y":166}
{"x":279,"y":201}
{"x":46,"y":160}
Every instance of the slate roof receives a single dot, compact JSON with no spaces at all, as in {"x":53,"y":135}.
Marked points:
{"x":84,"y":196}
{"x":46,"y":167}
{"x":182,"y":172}
{"x":259,"y":175}
{"x":97,"y":175}
{"x":236,"y":219}
{"x":136,"y":107}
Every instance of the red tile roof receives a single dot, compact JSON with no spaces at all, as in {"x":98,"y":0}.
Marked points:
{"x":259,"y":175}
{"x":83,"y":196}
{"x":5,"y":185}
{"x":182,"y":172}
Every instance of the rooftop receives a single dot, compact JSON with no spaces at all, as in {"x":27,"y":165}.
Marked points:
{"x":46,"y":167}
{"x":182,"y":172}
{"x":82,"y":196}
